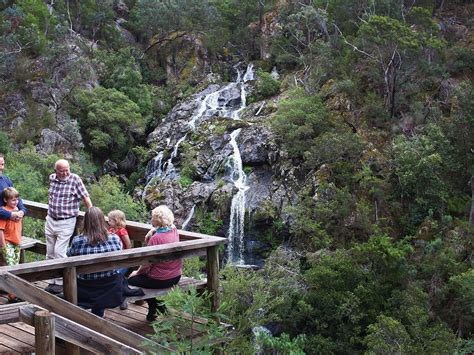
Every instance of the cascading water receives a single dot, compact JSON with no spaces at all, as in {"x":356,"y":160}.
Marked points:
{"x":188,"y":218}
{"x":216,"y":103}
{"x":236,"y":247}
{"x":228,"y":101}
{"x":153,"y":169}
{"x":170,"y":170}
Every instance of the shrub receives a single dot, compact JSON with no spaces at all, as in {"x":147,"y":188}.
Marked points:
{"x":185,"y":181}
{"x":186,"y":307}
{"x":207,"y":222}
{"x":299,"y":120}
{"x":266,"y":86}
{"x":108,"y":195}
{"x":5,"y":144}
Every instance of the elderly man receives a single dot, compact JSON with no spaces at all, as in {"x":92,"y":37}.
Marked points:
{"x":4,"y":183}
{"x":66,"y":190}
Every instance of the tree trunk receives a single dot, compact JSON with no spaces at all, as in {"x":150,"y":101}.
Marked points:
{"x":471,"y":216}
{"x":261,"y":7}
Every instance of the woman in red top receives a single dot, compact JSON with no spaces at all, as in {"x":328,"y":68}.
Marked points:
{"x":164,"y":274}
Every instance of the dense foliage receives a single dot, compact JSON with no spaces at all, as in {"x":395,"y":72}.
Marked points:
{"x":373,"y":119}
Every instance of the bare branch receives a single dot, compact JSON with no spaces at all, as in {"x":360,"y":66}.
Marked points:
{"x":352,"y":45}
{"x":18,"y":50}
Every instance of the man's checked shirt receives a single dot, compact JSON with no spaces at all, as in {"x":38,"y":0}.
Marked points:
{"x":80,"y":246}
{"x":65,"y":197}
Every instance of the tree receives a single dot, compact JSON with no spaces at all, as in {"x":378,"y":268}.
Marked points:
{"x":304,"y":41}
{"x":420,"y":165}
{"x":109,"y":121}
{"x":25,"y":27}
{"x":120,"y":70}
{"x":90,"y":17}
{"x":150,"y":18}
{"x":386,"y":42}
{"x":395,"y":47}
{"x":299,"y":120}
{"x":387,"y":336}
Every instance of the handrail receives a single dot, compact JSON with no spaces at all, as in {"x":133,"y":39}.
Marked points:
{"x":39,"y":297}
{"x":136,"y":230}
{"x":46,"y":269}
{"x":77,"y":334}
{"x":191,"y":244}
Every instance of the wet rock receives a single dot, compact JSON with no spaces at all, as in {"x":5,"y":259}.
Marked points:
{"x":200,"y":193}
{"x":109,"y":167}
{"x":255,"y":144}
{"x":129,"y":163}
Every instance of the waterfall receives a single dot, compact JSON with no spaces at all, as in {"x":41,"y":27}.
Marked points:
{"x":235,"y":248}
{"x":153,"y":169}
{"x":170,"y":170}
{"x":249,"y":75}
{"x":227,"y":101}
{"x":220,"y":103}
{"x":188,"y":218}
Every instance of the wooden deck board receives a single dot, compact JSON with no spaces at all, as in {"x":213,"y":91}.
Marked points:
{"x":13,"y":343}
{"x":25,"y":336}
{"x":19,"y":337}
{"x":5,"y":350}
{"x":137,"y":326}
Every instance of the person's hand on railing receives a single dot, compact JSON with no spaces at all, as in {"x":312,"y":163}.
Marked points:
{"x":149,"y":234}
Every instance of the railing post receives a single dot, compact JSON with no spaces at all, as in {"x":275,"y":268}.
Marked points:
{"x":70,"y":294}
{"x":44,"y":333}
{"x":213,"y":276}
{"x":70,"y":284}
{"x":22,"y":256}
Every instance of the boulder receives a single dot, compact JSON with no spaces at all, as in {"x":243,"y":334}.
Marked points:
{"x":52,"y":142}
{"x":109,"y":167}
{"x":255,"y":144}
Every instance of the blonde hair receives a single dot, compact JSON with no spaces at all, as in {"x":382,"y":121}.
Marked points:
{"x":9,"y":193}
{"x":119,"y":218}
{"x":162,"y":216}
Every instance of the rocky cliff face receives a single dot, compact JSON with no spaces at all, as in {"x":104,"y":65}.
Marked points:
{"x":212,"y":150}
{"x":36,"y":110}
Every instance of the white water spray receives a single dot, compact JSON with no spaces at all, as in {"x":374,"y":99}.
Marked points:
{"x":236,"y":247}
{"x":188,"y":218}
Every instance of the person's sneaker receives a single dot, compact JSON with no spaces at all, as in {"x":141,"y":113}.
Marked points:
{"x":124,"y":305}
{"x":14,"y":299}
{"x":151,"y":316}
{"x":54,"y":289}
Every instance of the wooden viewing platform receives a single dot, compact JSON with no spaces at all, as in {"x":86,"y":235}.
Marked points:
{"x":120,"y":331}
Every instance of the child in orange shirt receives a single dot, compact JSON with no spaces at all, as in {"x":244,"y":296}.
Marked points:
{"x":10,"y":234}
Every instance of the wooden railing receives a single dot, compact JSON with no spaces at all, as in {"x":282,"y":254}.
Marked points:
{"x":15,"y":278}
